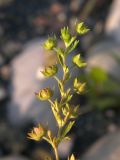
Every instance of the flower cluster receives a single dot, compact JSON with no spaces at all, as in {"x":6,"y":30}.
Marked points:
{"x":64,"y":112}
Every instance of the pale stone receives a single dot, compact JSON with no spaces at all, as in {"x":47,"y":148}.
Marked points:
{"x":107,"y":148}
{"x":103,"y":55}
{"x":112,"y":27}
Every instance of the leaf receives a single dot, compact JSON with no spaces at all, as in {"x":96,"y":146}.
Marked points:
{"x":60,"y":85}
{"x":57,"y":117}
{"x":67,"y":77}
{"x":60,"y":60}
{"x":60,"y":55}
{"x":67,"y":128}
{"x":73,"y":46}
{"x":98,"y":75}
{"x":77,"y":60}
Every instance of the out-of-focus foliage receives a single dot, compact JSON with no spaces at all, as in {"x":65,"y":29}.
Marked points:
{"x":102,"y":90}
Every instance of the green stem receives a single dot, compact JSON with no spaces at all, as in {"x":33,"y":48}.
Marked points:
{"x":54,"y":147}
{"x":51,"y":102}
{"x":56,"y":152}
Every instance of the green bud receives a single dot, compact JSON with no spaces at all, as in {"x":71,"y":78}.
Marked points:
{"x":44,"y":94}
{"x":65,"y":34}
{"x":50,"y":71}
{"x":78,"y":86}
{"x":66,"y":37}
{"x":74,"y":112}
{"x":50,"y":43}
{"x":72,"y":157}
{"x":81,"y":28}
{"x":77,"y":60}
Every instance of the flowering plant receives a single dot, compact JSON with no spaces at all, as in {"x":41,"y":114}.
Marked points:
{"x":64,"y":113}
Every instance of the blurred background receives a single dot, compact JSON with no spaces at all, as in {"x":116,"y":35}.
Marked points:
{"x":24,"y":25}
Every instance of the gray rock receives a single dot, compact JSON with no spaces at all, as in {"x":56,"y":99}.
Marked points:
{"x":107,"y":148}
{"x":113,"y":21}
{"x":27,"y":80}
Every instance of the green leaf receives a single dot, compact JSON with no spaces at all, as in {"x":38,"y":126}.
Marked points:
{"x":70,"y":42}
{"x":57,"y":117}
{"x":78,"y":61}
{"x":98,"y":75}
{"x":67,"y":128}
{"x":67,"y":77}
{"x":73,"y":46}
{"x":60,"y":85}
{"x":60,"y":55}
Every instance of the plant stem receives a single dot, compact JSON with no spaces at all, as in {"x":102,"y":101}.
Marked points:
{"x":56,"y":153}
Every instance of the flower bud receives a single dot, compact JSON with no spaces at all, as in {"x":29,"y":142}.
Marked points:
{"x":50,"y":71}
{"x":37,"y":133}
{"x":81,"y":28}
{"x":77,"y":60}
{"x":78,"y":86}
{"x":50,"y":43}
{"x":44,"y":94}
{"x":72,"y":157}
{"x":65,"y":34}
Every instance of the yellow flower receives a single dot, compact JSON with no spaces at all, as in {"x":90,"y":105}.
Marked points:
{"x":50,"y":71}
{"x":78,"y":86}
{"x":50,"y":43}
{"x":44,"y":94}
{"x":37,"y":133}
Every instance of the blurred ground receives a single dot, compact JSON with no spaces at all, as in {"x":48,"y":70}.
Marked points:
{"x":27,"y":23}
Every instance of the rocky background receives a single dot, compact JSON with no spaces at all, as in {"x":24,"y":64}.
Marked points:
{"x":23,"y":27}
